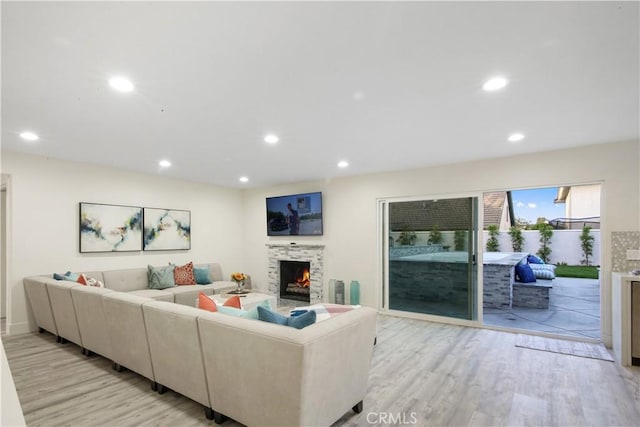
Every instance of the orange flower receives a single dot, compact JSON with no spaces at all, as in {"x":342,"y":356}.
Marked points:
{"x":238,"y":277}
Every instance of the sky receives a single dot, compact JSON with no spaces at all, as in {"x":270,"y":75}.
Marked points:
{"x":534,"y":203}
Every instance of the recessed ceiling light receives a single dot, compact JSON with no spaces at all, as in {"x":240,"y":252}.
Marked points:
{"x":244,"y":179}
{"x":515,"y":137}
{"x":164,"y":163}
{"x":121,"y":84}
{"x":29,"y":136}
{"x":271,"y":139}
{"x":495,"y":83}
{"x":343,"y":164}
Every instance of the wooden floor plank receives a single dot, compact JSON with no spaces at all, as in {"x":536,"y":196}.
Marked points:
{"x":435,"y":374}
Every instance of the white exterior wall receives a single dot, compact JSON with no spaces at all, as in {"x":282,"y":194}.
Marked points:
{"x":564,"y":244}
{"x":583,"y":201}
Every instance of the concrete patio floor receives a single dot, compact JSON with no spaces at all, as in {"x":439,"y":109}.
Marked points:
{"x":574,"y":310}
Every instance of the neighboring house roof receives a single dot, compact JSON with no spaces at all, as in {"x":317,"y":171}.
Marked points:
{"x":561,"y":197}
{"x":494,"y":204}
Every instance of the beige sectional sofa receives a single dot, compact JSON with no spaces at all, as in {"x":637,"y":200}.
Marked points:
{"x":254,"y":372}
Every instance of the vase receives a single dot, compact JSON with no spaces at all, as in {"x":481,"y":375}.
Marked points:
{"x":332,"y":291}
{"x":339,"y":292}
{"x":240,"y":286}
{"x":354,"y":293}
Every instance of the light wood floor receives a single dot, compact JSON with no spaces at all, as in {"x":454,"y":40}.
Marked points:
{"x":435,"y":374}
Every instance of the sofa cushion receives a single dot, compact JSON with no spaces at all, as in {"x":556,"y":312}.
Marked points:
{"x":544,"y":271}
{"x":161,"y":277}
{"x":202,"y":275}
{"x":532,"y":259}
{"x":525,"y":274}
{"x":222,"y":286}
{"x":183,"y":275}
{"x":206,"y":303}
{"x":126,"y":280}
{"x":156,"y":294}
{"x":234,"y":302}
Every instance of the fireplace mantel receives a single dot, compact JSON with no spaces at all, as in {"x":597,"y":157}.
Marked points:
{"x":295,"y":245}
{"x":312,"y":253}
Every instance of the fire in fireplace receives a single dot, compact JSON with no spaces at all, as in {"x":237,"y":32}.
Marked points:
{"x":295,"y":280}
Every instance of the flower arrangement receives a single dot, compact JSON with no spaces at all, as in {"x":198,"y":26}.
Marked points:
{"x":238,"y":277}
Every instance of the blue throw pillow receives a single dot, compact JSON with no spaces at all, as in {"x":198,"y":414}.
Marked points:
{"x":202,"y":275}
{"x":303,"y":320}
{"x":525,"y":273}
{"x":298,"y":322}
{"x":267,"y":315}
{"x":532,"y":259}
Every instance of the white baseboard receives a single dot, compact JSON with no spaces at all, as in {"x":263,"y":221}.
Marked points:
{"x":18,"y":328}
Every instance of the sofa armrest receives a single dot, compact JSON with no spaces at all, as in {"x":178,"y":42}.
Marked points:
{"x":265,"y":374}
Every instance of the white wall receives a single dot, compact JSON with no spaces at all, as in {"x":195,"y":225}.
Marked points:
{"x":43,"y":200}
{"x":350,"y":225}
{"x":565,"y":245}
{"x":583,"y":201}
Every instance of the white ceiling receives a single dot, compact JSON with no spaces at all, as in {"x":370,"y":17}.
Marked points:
{"x":384,"y":85}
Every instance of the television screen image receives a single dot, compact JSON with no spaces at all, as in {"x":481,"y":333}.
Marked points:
{"x":295,"y":215}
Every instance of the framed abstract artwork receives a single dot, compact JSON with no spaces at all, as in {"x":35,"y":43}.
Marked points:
{"x":166,"y":229}
{"x":110,"y":228}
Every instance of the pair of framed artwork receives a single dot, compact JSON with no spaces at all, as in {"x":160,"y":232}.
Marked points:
{"x":115,"y":228}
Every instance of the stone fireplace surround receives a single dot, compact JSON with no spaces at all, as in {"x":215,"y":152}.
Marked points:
{"x":312,"y":253}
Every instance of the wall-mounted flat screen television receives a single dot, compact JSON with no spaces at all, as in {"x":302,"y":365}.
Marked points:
{"x":295,"y":215}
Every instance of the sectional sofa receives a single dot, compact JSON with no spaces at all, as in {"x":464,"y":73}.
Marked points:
{"x":254,"y":372}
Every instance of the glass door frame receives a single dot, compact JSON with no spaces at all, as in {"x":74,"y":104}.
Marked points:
{"x":383,"y":257}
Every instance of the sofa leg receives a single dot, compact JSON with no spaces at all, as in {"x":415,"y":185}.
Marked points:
{"x":83,"y":351}
{"x":375,"y":340}
{"x":208,"y":412}
{"x":41,"y":330}
{"x":154,"y":386}
{"x":58,"y":339}
{"x":63,"y":340}
{"x":117,"y":367}
{"x":218,"y":418}
{"x":161,"y":389}
{"x":358,"y":408}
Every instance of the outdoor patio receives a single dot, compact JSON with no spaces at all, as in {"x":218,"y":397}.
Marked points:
{"x":574,"y":310}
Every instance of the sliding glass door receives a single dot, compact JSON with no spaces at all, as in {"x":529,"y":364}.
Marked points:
{"x":430,"y":254}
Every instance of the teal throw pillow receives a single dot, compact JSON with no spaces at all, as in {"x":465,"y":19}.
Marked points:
{"x":59,"y":276}
{"x":69,"y":276}
{"x":252,"y":313}
{"x":202,"y":275}
{"x":160,"y":277}
{"x":232,"y":311}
